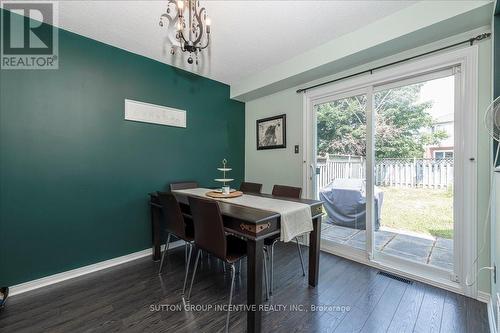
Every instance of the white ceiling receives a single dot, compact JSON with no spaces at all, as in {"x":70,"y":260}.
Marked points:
{"x":247,"y":36}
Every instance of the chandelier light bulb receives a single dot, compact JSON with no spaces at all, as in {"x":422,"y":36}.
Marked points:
{"x":208,"y":22}
{"x":180,"y":5}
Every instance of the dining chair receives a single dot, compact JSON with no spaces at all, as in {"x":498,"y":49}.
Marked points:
{"x":177,"y":226}
{"x":183,"y":185}
{"x":211,"y":237}
{"x":285,"y":192}
{"x":247,"y":187}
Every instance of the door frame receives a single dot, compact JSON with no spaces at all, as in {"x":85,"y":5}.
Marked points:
{"x":465,"y":215}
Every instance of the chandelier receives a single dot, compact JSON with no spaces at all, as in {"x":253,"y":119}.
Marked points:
{"x":191,"y":26}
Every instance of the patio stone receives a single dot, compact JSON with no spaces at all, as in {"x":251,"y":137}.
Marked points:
{"x":382,"y":237}
{"x":441,"y":258}
{"x":384,"y":233}
{"x":333,"y":239}
{"x":405,"y":255}
{"x":356,"y":244}
{"x":328,"y":234}
{"x":409,"y":247}
{"x":415,"y":240}
{"x":444,"y":243}
{"x":340,"y":232}
{"x":325,"y":226}
{"x":404,"y":246}
{"x":360,"y":236}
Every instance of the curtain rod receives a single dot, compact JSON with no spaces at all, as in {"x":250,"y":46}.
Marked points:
{"x":470,"y":41}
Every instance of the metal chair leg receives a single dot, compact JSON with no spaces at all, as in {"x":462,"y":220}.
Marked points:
{"x":185,"y":251}
{"x":187,"y":267}
{"x":266,"y":257}
{"x":300,"y":256}
{"x":233,"y":273}
{"x":271,"y":285}
{"x":164,"y":253}
{"x":194,"y":272}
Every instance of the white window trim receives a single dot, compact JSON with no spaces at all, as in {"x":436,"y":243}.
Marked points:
{"x":441,"y":151}
{"x":465,"y":141}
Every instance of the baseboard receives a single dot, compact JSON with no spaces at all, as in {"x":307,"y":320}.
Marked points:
{"x":491,"y":316}
{"x":59,"y":277}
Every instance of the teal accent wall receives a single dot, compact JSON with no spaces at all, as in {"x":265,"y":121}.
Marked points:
{"x":74,"y":175}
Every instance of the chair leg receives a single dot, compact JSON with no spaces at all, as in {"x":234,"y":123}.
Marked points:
{"x":266,"y":278}
{"x":233,"y":273}
{"x":271,"y":285}
{"x":185,"y":251}
{"x":194,"y":272}
{"x":187,"y":268}
{"x":164,"y":253}
{"x":300,"y":256}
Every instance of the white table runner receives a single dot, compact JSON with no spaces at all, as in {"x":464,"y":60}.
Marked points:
{"x":295,"y":216}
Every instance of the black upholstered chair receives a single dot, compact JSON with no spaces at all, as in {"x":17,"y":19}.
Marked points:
{"x":177,"y":226}
{"x":285,"y":192}
{"x":211,"y":237}
{"x":247,"y":187}
{"x":183,"y":185}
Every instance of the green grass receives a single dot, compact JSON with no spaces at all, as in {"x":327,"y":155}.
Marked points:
{"x":421,"y":210}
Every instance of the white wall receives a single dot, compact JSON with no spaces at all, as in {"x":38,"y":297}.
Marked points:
{"x":421,"y":23}
{"x":282,"y":166}
{"x":274,"y":166}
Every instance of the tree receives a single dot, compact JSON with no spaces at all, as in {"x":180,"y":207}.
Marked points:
{"x":402,"y":125}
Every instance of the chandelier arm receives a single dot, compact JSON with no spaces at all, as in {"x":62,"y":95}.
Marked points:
{"x":181,"y":35}
{"x":170,"y":21}
{"x":206,"y":45}
{"x":200,"y":25}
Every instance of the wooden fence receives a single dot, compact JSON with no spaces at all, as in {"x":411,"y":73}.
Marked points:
{"x":401,"y":172}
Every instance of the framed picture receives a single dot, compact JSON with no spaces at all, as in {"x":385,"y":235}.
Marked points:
{"x":271,"y":132}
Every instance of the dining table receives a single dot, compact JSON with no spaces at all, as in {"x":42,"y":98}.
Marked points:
{"x":253,"y":225}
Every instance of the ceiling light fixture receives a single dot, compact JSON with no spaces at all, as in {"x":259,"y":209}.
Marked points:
{"x":192,"y":27}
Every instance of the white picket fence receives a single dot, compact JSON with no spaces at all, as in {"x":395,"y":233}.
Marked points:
{"x":400,"y":172}
{"x":339,"y":167}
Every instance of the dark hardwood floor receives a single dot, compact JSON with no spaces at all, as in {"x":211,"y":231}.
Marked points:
{"x":126,"y":298}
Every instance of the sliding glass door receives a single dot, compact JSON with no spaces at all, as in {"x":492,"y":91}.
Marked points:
{"x":414,"y":169}
{"x":340,"y":168}
{"x":383,"y":161}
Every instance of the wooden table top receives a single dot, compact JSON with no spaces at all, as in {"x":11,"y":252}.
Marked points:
{"x":254,"y":215}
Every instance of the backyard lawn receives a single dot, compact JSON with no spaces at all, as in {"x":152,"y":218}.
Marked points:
{"x":421,"y":210}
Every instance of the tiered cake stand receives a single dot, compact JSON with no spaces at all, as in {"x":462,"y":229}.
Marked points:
{"x":220,"y":193}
